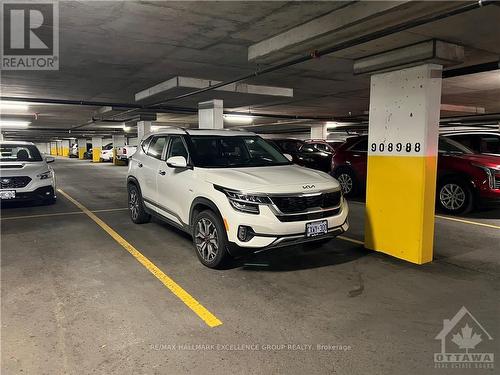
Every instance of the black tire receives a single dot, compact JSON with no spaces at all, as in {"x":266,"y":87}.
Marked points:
{"x":136,"y":208}
{"x":454,"y":196}
{"x":210,"y":246}
{"x":346,"y":178}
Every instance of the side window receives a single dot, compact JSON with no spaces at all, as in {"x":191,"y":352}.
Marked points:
{"x":156,"y":145}
{"x":360,"y":146}
{"x":468,"y":140}
{"x":144,"y":144}
{"x":490,"y":144}
{"x":307,"y":149}
{"x":177,"y":148}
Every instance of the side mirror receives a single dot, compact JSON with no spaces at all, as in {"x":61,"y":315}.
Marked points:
{"x":177,"y":162}
{"x":289,"y":157}
{"x":50,"y":159}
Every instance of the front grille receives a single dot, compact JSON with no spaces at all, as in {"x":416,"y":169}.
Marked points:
{"x":14,"y":182}
{"x":297,"y":204}
{"x":496,"y":182}
{"x":312,"y":216}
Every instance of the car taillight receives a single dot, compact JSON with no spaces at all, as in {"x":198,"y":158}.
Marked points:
{"x":124,"y":150}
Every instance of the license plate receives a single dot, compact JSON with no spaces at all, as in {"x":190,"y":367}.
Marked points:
{"x":9,"y":194}
{"x":316,"y":228}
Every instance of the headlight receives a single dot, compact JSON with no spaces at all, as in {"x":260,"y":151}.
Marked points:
{"x":490,"y":173}
{"x":45,"y":175}
{"x":244,"y":202}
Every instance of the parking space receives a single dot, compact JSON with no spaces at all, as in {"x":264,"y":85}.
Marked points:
{"x":75,"y":301}
{"x":271,"y":187}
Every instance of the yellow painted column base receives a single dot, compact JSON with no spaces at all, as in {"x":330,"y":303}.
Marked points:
{"x":53,"y":151}
{"x":81,"y":151}
{"x":96,"y":155}
{"x":400,"y":206}
{"x":65,"y":152}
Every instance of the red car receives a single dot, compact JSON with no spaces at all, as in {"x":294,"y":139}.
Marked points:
{"x":464,"y":179}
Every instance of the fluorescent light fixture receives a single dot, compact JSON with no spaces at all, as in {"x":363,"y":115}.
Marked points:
{"x":126,"y":128}
{"x":241,"y":119}
{"x":17,"y":106}
{"x":14,"y":124}
{"x":331,"y":124}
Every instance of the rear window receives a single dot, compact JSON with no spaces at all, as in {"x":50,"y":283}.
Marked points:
{"x":19,"y":152}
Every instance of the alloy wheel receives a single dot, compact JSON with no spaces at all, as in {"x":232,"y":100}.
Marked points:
{"x":206,"y":239}
{"x":452,"y":196}
{"x":134,"y":204}
{"x":345,"y":182}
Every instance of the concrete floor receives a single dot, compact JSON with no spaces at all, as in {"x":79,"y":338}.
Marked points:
{"x":75,"y":302}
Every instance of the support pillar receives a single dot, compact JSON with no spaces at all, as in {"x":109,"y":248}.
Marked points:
{"x":402,"y":162}
{"x":59,"y":148}
{"x":96,"y":149}
{"x":118,"y":141}
{"x":82,"y":147}
{"x":65,"y":144}
{"x":210,"y":114}
{"x":318,"y":131}
{"x":53,"y":148}
{"x":143,"y":128}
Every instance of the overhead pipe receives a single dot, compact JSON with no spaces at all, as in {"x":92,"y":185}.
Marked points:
{"x":338,"y":47}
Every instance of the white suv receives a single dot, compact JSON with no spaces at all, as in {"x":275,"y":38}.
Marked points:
{"x":25,"y":174}
{"x":233,"y":192}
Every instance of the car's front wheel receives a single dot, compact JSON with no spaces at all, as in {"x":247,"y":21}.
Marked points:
{"x":209,"y":239}
{"x":348,"y":182}
{"x":136,"y":206}
{"x":455,"y":197}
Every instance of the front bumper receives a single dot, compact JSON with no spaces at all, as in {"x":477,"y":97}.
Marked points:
{"x":42,"y":193}
{"x":269,"y":232}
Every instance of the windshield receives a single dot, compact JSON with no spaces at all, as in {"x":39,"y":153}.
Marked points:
{"x":209,"y":151}
{"x":451,"y":146}
{"x":19,"y":152}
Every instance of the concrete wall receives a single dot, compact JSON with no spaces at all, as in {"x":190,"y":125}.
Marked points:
{"x":42,"y":146}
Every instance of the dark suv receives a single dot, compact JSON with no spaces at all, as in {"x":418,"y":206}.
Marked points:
{"x":311,"y":154}
{"x":464,"y":178}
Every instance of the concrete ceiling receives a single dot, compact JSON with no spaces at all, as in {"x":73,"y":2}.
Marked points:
{"x":111,"y":50}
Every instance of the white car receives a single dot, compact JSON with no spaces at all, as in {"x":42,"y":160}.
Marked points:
{"x":25,"y":174}
{"x":107,"y":152}
{"x":233,"y":192}
{"x":124,"y":153}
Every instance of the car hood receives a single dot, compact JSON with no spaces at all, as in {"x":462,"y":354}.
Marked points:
{"x":16,"y":168}
{"x":490,"y":161}
{"x":277,"y":179}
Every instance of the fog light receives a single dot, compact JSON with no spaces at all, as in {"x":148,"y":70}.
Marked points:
{"x":245,"y":233}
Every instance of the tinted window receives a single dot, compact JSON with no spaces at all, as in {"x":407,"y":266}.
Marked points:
{"x":289,"y":146}
{"x":449,"y":145}
{"x":234,"y":151}
{"x":18,"y":152}
{"x":144,"y":144}
{"x":177,"y":148}
{"x":321,"y":147}
{"x":360,"y":146}
{"x":156,"y":145}
{"x":307,"y":149}
{"x":490,"y":144}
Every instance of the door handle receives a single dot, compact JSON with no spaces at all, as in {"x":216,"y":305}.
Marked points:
{"x":139,"y":165}
{"x":162,"y":172}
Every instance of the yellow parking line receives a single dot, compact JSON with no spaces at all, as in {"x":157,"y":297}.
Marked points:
{"x":210,"y":319}
{"x":351,"y":240}
{"x":60,"y":214}
{"x":468,"y":222}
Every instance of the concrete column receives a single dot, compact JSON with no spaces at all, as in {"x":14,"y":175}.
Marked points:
{"x":402,"y":162}
{"x":1,"y":136}
{"x":48,"y":148}
{"x":210,"y":114}
{"x":318,"y":131}
{"x":65,"y":144}
{"x":82,"y":147}
{"x":96,"y":149}
{"x":143,"y":128}
{"x":59,"y":148}
{"x":53,"y":148}
{"x":118,"y":141}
